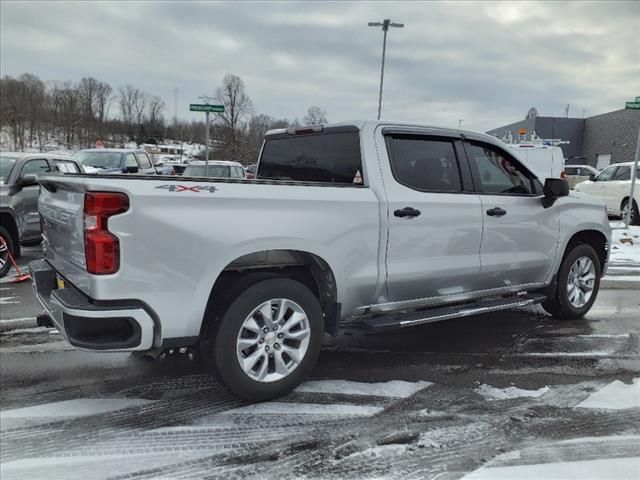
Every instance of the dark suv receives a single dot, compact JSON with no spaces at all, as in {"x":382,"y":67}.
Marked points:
{"x":19,"y":190}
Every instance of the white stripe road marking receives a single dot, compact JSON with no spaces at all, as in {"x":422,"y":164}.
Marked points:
{"x":391,"y":389}
{"x":8,"y":300}
{"x":16,"y":320}
{"x":80,"y":407}
{"x":293,"y":408}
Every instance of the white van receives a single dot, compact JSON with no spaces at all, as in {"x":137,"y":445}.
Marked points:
{"x":544,"y":160}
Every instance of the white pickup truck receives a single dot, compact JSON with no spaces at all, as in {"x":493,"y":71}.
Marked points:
{"x":397,"y":224}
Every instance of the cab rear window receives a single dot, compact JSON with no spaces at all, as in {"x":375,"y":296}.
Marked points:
{"x":326,"y":157}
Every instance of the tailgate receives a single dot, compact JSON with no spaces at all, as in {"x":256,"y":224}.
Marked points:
{"x":61,"y":206}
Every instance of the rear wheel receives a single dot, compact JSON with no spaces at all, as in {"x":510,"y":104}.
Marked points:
{"x":5,"y":249}
{"x":267,"y":341}
{"x":578,"y":282}
{"x":635,"y":214}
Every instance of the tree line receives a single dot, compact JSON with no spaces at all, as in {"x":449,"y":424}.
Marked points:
{"x":35,"y":113}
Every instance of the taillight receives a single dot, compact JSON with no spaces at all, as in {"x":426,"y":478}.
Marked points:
{"x":563,"y":175}
{"x":101,"y":247}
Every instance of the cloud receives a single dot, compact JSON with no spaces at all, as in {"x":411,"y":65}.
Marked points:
{"x":483,"y":62}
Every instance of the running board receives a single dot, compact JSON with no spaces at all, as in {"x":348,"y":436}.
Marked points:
{"x":409,"y":319}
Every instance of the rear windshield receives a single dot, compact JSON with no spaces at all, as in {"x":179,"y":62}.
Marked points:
{"x":219,"y":171}
{"x":99,"y":159}
{"x":6,"y":164}
{"x":327,"y":157}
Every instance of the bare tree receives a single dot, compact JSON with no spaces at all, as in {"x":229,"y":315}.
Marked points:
{"x":237,"y":107}
{"x":315,"y":116}
{"x":155,"y":118}
{"x":532,"y":113}
{"x":104,"y":97}
{"x":127,"y":100}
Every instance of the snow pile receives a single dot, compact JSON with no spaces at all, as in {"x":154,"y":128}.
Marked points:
{"x":615,"y":396}
{"x":624,"y":264}
{"x":493,"y":393}
{"x":586,"y":469}
{"x":81,"y":407}
{"x":391,"y":389}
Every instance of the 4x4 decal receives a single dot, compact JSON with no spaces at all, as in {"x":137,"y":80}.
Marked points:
{"x":188,"y":188}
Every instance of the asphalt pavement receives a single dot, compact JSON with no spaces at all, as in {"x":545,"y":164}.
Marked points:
{"x":477,"y":398}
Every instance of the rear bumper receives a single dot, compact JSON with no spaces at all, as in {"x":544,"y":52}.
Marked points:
{"x":87,"y":324}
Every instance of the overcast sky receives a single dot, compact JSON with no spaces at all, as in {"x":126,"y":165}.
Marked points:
{"x":486,"y":63}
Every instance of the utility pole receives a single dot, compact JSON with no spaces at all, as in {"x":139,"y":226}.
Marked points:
{"x":385,"y":24}
{"x":634,"y":176}
{"x":175,"y":107}
{"x":460,"y":123}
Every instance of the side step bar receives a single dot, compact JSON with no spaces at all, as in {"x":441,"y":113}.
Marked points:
{"x":409,"y":319}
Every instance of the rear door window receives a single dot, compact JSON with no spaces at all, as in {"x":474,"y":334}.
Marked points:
{"x":425,"y":164}
{"x":64,"y":166}
{"x":325,"y":157}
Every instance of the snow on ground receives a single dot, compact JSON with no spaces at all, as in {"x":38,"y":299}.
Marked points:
{"x":81,"y":407}
{"x":625,"y":244}
{"x":608,"y":468}
{"x":293,"y":408}
{"x":391,"y":389}
{"x":493,"y":393}
{"x":615,"y":396}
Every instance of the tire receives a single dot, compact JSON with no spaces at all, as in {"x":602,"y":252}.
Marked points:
{"x":274,"y":361}
{"x":5,"y":264}
{"x":562,"y":304}
{"x":635,"y":214}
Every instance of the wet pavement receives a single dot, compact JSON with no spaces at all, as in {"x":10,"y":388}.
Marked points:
{"x":480,"y":397}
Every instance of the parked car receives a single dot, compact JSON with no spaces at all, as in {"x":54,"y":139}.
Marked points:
{"x":216,"y":169}
{"x":115,"y":160}
{"x":165,"y":169}
{"x":19,"y":189}
{"x":575,"y":174}
{"x":613,"y":186}
{"x":396,"y":225}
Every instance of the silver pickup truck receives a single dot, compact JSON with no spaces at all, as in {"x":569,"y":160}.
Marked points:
{"x":398,"y":225}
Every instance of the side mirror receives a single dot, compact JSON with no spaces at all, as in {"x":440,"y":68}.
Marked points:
{"x":554,"y":188}
{"x":131,"y":169}
{"x":28,"y":180}
{"x":592,"y":177}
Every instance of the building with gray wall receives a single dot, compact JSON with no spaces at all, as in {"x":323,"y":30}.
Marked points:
{"x":596,"y":141}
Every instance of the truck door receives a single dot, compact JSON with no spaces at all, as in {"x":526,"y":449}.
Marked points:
{"x":434,"y":218}
{"x":520,"y":236}
{"x":27,"y":198}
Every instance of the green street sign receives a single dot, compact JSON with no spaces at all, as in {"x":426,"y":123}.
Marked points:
{"x":202,"y":107}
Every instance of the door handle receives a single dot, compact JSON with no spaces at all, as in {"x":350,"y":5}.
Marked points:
{"x":496,"y":212}
{"x":407,"y":212}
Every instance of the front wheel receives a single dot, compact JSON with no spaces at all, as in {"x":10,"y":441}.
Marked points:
{"x":577,"y":286}
{"x":267,"y":341}
{"x":6,"y":248}
{"x":635,"y":214}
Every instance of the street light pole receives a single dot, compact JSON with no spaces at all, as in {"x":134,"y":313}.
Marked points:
{"x":634,"y":176}
{"x":385,"y":24}
{"x":206,"y":99}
